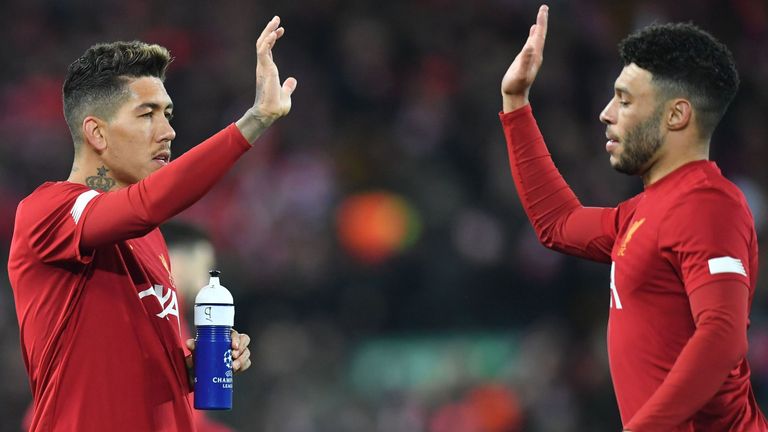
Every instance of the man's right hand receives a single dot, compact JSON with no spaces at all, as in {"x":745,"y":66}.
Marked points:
{"x":272,"y":99}
{"x":520,"y":76}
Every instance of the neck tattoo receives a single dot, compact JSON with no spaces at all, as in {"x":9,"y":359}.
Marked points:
{"x":100,"y":181}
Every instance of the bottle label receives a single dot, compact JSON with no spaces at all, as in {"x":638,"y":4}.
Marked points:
{"x":214,"y":315}
{"x":213,"y":368}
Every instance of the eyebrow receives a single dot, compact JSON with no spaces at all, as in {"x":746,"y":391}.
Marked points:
{"x":622,"y":89}
{"x":155,"y":106}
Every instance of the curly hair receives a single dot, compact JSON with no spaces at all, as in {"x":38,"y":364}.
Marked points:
{"x":96,"y":83}
{"x":686,"y":61}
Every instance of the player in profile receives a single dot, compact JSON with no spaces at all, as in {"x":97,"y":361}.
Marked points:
{"x":683,"y":253}
{"x":97,"y":309}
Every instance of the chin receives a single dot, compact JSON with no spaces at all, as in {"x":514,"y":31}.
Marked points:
{"x":618,"y":166}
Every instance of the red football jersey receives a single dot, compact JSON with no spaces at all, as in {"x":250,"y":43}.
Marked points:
{"x":688,"y":229}
{"x":100,"y":333}
{"x":689,"y":236}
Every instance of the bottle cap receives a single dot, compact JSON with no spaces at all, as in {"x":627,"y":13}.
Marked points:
{"x":214,"y":304}
{"x":214,"y":292}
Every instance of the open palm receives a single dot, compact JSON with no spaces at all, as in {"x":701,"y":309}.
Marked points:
{"x":273,"y":100}
{"x":522,"y":72}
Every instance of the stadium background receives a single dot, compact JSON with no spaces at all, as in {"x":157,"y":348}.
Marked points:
{"x":373,"y":240}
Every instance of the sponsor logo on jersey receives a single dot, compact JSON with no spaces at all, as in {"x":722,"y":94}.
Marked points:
{"x":615,"y":300}
{"x":167,"y":299}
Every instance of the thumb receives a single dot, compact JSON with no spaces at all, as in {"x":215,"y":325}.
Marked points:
{"x":290,"y":85}
{"x":191,"y":344}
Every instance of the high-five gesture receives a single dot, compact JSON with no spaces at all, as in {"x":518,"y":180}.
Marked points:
{"x":520,"y":76}
{"x":273,"y":100}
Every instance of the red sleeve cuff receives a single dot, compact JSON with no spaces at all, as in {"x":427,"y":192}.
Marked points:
{"x":234,"y":132}
{"x":509,"y":118}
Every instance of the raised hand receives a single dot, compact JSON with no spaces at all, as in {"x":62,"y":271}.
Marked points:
{"x":273,"y":100}
{"x":517,"y":82}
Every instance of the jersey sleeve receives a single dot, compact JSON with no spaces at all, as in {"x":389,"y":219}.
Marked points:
{"x":139,"y":208}
{"x":560,"y":221}
{"x":52,"y":221}
{"x":720,"y":310}
{"x":707,"y":237}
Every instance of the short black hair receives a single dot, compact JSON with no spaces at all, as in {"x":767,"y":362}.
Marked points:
{"x":96,"y":82}
{"x":179,"y":234}
{"x":686,"y":61}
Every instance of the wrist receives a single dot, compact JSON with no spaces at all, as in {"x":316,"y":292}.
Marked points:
{"x":512,"y":102}
{"x":252,"y":125}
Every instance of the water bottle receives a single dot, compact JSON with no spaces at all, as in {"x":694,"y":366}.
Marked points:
{"x":214,"y":318}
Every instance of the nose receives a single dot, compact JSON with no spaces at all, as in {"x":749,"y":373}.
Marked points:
{"x":167,"y":133}
{"x":608,"y":115}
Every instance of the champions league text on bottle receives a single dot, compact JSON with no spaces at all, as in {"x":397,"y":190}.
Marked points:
{"x":214,"y":319}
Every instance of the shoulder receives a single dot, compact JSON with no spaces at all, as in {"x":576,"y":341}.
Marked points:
{"x":54,"y":192}
{"x":709,"y":205}
{"x":706,"y":190}
{"x":50,"y":198}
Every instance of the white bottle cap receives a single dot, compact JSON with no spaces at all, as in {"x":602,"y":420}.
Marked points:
{"x":214,"y":305}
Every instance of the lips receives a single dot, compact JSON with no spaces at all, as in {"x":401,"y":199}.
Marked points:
{"x":612,"y":143}
{"x":163,"y":157}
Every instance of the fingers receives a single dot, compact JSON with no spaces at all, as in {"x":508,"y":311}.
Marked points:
{"x":534,"y":46}
{"x":539,"y":31}
{"x":271,"y":33}
{"x":240,"y":352}
{"x":191,"y":344}
{"x":243,"y":362}
{"x":271,"y":26}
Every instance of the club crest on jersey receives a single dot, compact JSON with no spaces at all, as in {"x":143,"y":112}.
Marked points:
{"x":166,"y":297}
{"x":627,"y":238}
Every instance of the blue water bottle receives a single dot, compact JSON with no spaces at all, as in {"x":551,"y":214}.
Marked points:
{"x":214,"y":318}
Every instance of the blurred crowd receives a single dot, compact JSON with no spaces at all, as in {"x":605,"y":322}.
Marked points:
{"x":373,"y":240}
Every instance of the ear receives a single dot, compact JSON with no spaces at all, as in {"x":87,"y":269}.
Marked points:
{"x":94,"y":130}
{"x":679,"y":114}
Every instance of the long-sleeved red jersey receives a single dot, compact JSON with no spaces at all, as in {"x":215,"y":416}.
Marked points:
{"x":683,"y":257}
{"x":98,"y":312}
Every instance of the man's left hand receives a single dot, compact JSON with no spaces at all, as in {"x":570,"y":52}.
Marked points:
{"x":241,"y":355}
{"x":240,"y":352}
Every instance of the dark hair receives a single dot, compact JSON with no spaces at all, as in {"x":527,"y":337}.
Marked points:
{"x":182,"y":234}
{"x":96,"y":82}
{"x":686,"y":61}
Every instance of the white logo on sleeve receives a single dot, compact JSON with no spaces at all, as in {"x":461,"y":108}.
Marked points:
{"x":614,"y":291}
{"x":726,"y":265}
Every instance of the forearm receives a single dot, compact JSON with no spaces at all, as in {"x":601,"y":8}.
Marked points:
{"x":557,"y":216}
{"x":718,"y":344}
{"x":139,"y":208}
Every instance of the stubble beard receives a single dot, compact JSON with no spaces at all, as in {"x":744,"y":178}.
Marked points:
{"x":640,"y":144}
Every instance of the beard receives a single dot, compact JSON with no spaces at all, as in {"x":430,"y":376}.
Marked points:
{"x":640,"y":144}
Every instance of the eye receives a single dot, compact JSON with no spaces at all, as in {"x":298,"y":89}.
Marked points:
{"x":147,"y":115}
{"x":624,"y":103}
{"x":169,"y":115}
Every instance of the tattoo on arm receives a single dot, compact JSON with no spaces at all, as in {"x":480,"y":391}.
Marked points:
{"x":101,"y":181}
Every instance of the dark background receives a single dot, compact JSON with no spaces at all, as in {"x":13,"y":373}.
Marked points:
{"x":456,"y":319}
